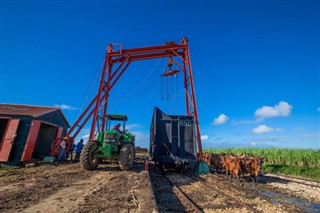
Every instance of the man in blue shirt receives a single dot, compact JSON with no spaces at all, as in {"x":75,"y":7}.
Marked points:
{"x":78,"y":150}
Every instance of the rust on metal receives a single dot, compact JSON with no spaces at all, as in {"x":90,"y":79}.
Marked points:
{"x":170,"y":73}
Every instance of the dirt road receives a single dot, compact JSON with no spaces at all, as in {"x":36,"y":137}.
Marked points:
{"x":69,"y":188}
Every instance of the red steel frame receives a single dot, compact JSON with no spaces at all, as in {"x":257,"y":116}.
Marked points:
{"x":115,"y":64}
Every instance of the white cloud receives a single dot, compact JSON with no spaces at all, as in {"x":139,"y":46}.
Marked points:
{"x":204,"y":137}
{"x":312,"y":135}
{"x":300,"y":128}
{"x":282,"y":109}
{"x":262,"y":129}
{"x":282,"y":138}
{"x":220,"y":120}
{"x":65,"y":107}
{"x":253,"y":143}
{"x":85,"y":136}
{"x":130,"y":127}
{"x":141,"y":139}
{"x":235,"y":122}
{"x":278,"y":129}
{"x":318,"y":109}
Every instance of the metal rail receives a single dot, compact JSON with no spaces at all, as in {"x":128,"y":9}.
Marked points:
{"x":289,"y":206}
{"x":197,"y":208}
{"x":293,"y":181}
{"x":239,"y":203}
{"x":280,"y":178}
{"x":288,"y":176}
{"x":184,"y":196}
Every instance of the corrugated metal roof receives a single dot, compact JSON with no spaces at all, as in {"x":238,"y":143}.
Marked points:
{"x":28,"y":110}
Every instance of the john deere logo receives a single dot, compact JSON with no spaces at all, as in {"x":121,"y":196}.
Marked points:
{"x":185,"y":123}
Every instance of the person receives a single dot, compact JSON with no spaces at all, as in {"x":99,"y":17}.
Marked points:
{"x":78,"y":150}
{"x":70,"y":152}
{"x":62,"y":152}
{"x":117,"y":127}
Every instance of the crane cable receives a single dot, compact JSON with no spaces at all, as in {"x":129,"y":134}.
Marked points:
{"x":162,"y":90}
{"x":131,"y":93}
{"x":147,"y":76}
{"x":90,"y":88}
{"x":137,"y":94}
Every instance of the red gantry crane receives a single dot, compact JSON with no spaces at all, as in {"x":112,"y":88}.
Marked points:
{"x":115,"y":64}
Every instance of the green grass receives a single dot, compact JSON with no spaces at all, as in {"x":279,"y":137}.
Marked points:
{"x":310,"y":173}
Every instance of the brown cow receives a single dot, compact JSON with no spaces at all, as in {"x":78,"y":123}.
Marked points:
{"x":205,"y":156}
{"x":215,"y":161}
{"x":226,"y":161}
{"x":251,"y":165}
{"x":235,"y":166}
{"x":232,"y":164}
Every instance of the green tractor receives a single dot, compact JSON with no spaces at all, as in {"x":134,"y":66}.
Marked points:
{"x":110,"y":145}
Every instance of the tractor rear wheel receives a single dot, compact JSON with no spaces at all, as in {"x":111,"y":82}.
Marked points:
{"x":87,"y":159}
{"x":127,"y":155}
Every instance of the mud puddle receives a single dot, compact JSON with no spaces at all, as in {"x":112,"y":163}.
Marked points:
{"x":303,"y":204}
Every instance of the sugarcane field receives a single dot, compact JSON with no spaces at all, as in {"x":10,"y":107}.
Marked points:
{"x":160,"y":106}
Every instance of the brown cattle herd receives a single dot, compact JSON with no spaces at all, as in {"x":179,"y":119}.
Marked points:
{"x":234,"y":165}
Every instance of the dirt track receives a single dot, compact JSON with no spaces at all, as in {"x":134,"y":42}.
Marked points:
{"x":68,"y":188}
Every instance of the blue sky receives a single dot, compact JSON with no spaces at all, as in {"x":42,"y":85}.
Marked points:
{"x":255,"y":63}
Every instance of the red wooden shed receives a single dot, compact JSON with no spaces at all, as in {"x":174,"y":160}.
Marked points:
{"x":26,"y":132}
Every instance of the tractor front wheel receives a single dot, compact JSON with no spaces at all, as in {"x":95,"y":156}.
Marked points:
{"x":127,"y":155}
{"x":87,"y":159}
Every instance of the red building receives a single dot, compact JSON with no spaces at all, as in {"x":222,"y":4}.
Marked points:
{"x":26,"y":132}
